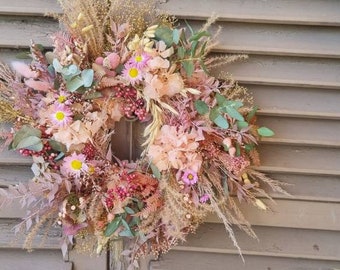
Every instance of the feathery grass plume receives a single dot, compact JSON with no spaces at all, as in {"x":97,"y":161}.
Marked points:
{"x":87,"y":20}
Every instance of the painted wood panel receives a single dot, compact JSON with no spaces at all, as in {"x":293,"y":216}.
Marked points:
{"x":182,"y":260}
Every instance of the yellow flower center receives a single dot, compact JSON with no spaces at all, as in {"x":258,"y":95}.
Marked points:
{"x":60,"y":116}
{"x":91,"y":170}
{"x":76,"y":164}
{"x":61,"y":99}
{"x":133,"y":72}
{"x":190,"y":176}
{"x":138,"y":58}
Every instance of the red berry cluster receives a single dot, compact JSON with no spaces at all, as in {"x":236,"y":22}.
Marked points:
{"x":131,"y":106}
{"x":89,"y":151}
{"x":45,"y":153}
{"x":125,"y":190}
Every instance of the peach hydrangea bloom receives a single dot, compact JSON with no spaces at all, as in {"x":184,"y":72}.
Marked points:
{"x":175,"y":148}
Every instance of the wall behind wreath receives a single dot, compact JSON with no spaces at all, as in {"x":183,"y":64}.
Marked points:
{"x":294,"y":73}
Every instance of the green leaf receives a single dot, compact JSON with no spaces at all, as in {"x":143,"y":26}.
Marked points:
{"x":24,"y":132}
{"x":199,"y":35}
{"x":203,"y":66}
{"x":164,"y":33}
{"x":220,"y":99}
{"x":181,"y":52}
{"x":176,"y":36}
{"x":242,"y":124}
{"x":87,"y":77}
{"x":57,"y":146}
{"x":129,"y":210}
{"x":127,"y":232}
{"x":189,"y":27}
{"x":113,"y":226}
{"x":265,"y":132}
{"x":188,"y":66}
{"x":60,"y":156}
{"x":31,"y":143}
{"x":57,"y":66}
{"x":249,"y":147}
{"x":201,"y":107}
{"x":234,"y":113}
{"x":74,"y":84}
{"x":193,"y":48}
{"x":221,"y":122}
{"x":155,"y":171}
{"x":252,"y":113}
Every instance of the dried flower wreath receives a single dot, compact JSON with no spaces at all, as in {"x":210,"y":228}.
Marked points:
{"x":116,"y":61}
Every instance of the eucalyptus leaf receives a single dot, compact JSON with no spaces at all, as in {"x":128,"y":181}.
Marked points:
{"x":155,"y":171}
{"x":221,"y":122}
{"x":176,"y":36}
{"x":113,"y":226}
{"x":57,"y":66}
{"x":128,"y":230}
{"x":31,"y":143}
{"x":201,"y":107}
{"x":252,"y":113}
{"x":87,"y":77}
{"x":234,"y":113}
{"x":220,"y":99}
{"x":74,"y":84}
{"x":60,"y":156}
{"x":24,"y":132}
{"x":164,"y":33}
{"x":242,"y":124}
{"x":57,"y":146}
{"x":126,"y":233}
{"x":265,"y":132}
{"x":129,"y":210}
{"x":214,"y":113}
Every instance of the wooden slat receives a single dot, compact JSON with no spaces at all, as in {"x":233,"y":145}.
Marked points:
{"x":306,"y":12}
{"x":17,"y":33}
{"x":8,"y":239}
{"x":10,"y":175}
{"x":181,"y":260}
{"x":288,"y":71}
{"x":31,"y":8}
{"x":293,"y":214}
{"x":306,"y":100}
{"x":269,"y":39}
{"x":301,"y":130}
{"x":278,"y":242}
{"x":286,"y":213}
{"x":38,"y":260}
{"x":309,"y":187}
{"x":280,"y":11}
{"x":300,"y":157}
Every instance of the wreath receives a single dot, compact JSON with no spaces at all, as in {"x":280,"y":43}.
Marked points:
{"x":117,"y":61}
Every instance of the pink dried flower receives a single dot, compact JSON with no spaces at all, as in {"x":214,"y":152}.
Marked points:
{"x":204,"y":198}
{"x":61,"y":115}
{"x":139,"y":60}
{"x":74,"y":165}
{"x":132,"y":73}
{"x":190,"y":177}
{"x":62,"y":98}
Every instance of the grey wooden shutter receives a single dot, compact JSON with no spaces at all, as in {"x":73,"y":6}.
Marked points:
{"x":294,"y":73}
